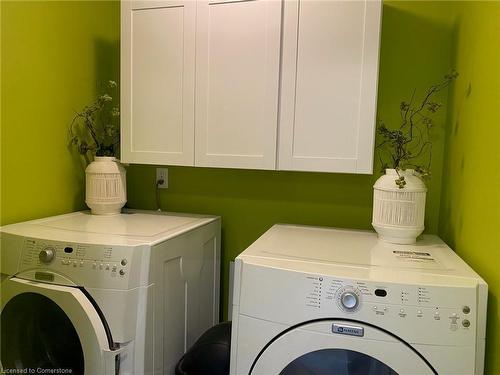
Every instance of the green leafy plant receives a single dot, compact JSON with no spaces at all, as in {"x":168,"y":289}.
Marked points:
{"x":409,"y":145}
{"x":95,"y":131}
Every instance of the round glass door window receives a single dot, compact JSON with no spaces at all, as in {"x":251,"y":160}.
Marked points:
{"x":37,"y":334}
{"x":336,"y":362}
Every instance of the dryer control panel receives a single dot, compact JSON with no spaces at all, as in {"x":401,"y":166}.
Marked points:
{"x":82,"y":264}
{"x":384,"y":301}
{"x":442,"y":314}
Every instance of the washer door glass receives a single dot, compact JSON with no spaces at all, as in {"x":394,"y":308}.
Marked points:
{"x":336,"y":362}
{"x":36,"y":333}
{"x":53,"y":326}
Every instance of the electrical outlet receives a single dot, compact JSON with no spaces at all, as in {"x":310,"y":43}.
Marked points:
{"x":162,"y":175}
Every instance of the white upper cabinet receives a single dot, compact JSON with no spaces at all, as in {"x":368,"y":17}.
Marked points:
{"x":237,"y":76}
{"x":258,"y":84}
{"x":157,"y":82}
{"x":329,"y":85}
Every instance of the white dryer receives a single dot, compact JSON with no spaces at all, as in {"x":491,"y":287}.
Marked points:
{"x":122,"y":294}
{"x":317,"y":301}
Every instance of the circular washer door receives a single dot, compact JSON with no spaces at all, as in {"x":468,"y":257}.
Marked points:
{"x":336,"y":347}
{"x":45,"y":326}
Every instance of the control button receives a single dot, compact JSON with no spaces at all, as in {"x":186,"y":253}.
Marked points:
{"x":402,"y":311}
{"x":122,"y":272}
{"x":75,"y":263}
{"x":46,"y":255}
{"x":419,"y":312}
{"x":375,"y":308}
{"x":380,"y":292}
{"x":466,"y":309}
{"x":436,"y":313}
{"x":113,"y":269}
{"x":123,"y":262}
{"x":466,"y":323}
{"x":101,"y":266}
{"x":349,"y":300}
{"x":385,"y":308}
{"x":454,"y":315}
{"x":107,"y":266}
{"x":81,"y":264}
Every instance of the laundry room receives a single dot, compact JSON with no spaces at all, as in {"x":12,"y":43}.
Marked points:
{"x":219,"y":187}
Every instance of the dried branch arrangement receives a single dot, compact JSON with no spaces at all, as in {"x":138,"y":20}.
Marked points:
{"x":95,"y":131}
{"x":409,"y":144}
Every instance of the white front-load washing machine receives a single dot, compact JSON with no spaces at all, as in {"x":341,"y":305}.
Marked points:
{"x":317,"y":301}
{"x":99,"y":295}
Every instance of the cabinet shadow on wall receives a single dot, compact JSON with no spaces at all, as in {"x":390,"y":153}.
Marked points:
{"x":106,"y":68}
{"x":416,"y":52}
{"x":107,"y":61}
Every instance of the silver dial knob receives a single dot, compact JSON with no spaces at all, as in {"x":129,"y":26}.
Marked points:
{"x":46,"y":255}
{"x":349,"y":300}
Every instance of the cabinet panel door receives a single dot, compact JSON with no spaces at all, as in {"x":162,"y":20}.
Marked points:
{"x":237,"y":74}
{"x":329,"y":85}
{"x":158,"y":51}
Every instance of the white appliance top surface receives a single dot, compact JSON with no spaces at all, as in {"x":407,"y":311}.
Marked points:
{"x":299,"y":247}
{"x":132,"y":227}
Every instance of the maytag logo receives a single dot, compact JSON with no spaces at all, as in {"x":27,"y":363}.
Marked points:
{"x":346,"y":329}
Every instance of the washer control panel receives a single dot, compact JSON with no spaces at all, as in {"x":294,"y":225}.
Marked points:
{"x":81,"y":263}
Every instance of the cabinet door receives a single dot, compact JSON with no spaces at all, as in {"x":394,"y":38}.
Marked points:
{"x":329,"y":85}
{"x":157,"y":71}
{"x":237,"y":74}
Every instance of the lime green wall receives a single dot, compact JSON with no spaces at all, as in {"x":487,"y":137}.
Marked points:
{"x":53,"y":53}
{"x":415,"y":53}
{"x":470,"y":210}
{"x":251,"y":201}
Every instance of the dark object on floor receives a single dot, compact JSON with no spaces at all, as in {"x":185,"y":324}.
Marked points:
{"x":209,"y":355}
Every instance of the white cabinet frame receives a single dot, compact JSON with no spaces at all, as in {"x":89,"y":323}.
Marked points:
{"x":157,"y":85}
{"x":237,"y":78}
{"x":238,"y":83}
{"x":361,"y":158}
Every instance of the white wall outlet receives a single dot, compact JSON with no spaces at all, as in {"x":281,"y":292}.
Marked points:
{"x":162,"y":178}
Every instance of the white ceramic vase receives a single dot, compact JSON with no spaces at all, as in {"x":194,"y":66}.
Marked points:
{"x":398,"y":214}
{"x":106,"y":188}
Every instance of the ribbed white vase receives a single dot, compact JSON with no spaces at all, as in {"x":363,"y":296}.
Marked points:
{"x":106,"y":188}
{"x":398,"y":214}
